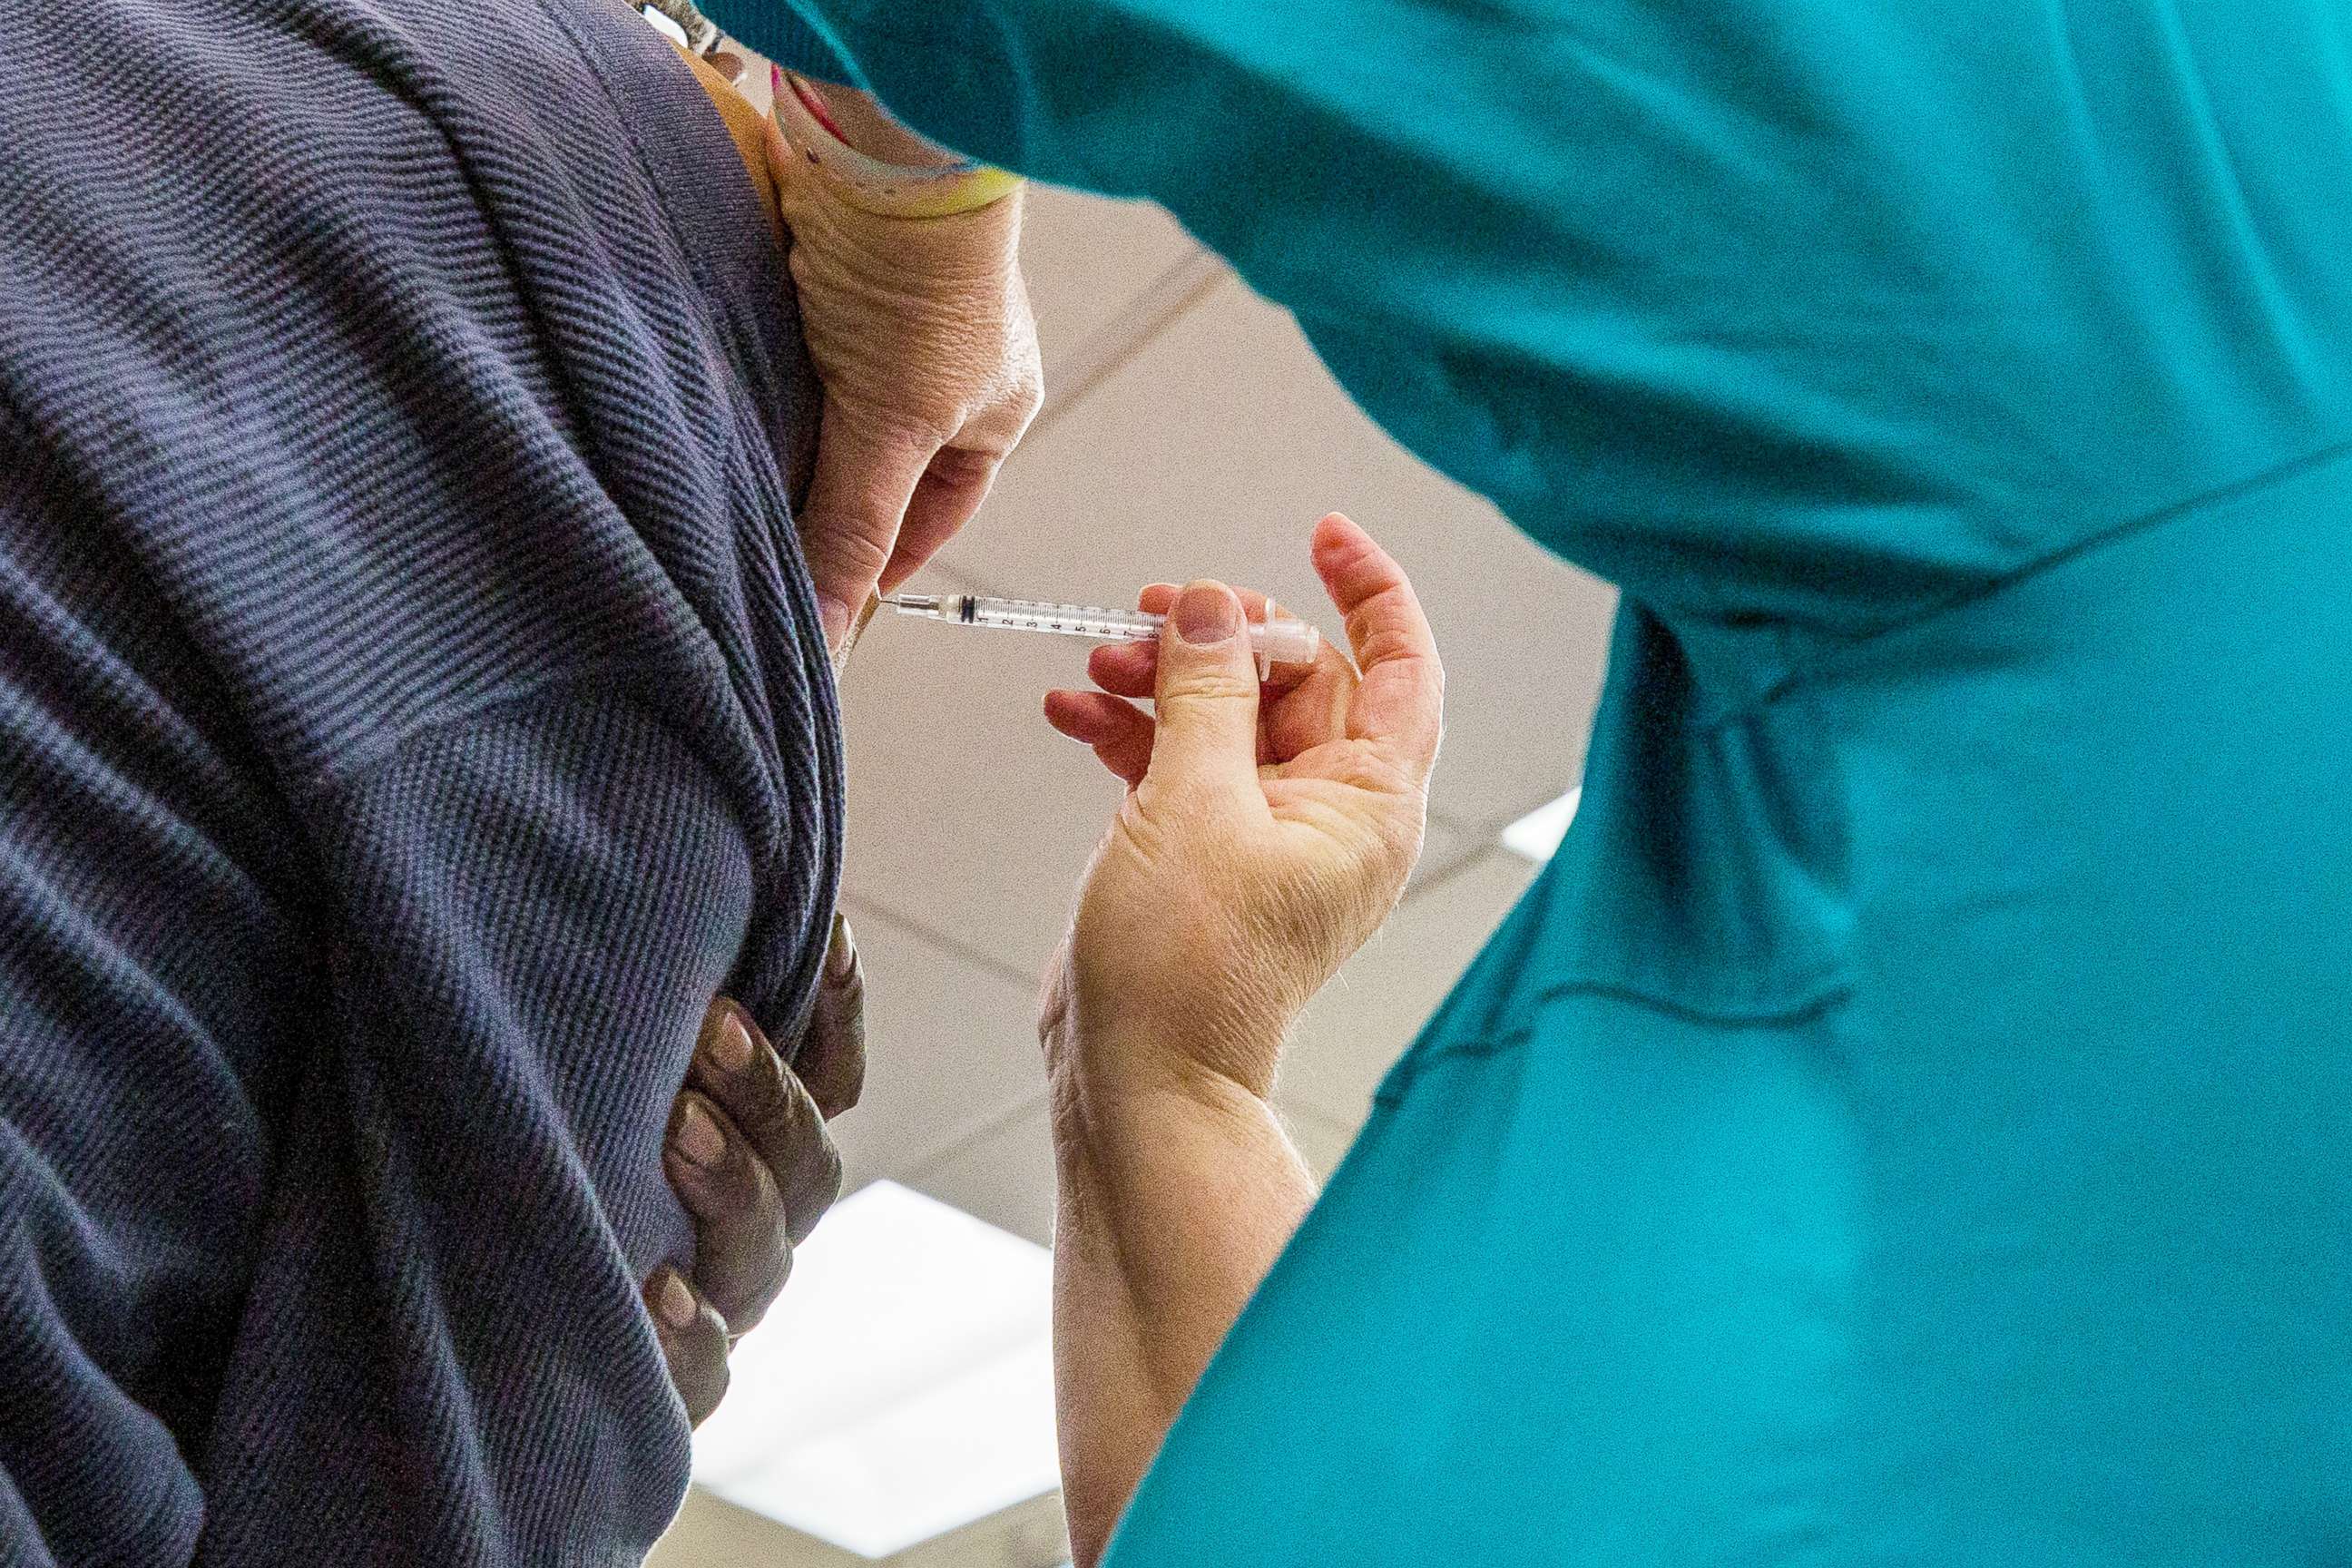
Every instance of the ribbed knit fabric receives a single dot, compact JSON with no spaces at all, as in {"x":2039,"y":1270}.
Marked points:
{"x":411,"y":712}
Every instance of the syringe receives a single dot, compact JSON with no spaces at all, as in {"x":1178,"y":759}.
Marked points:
{"x":1280,"y":639}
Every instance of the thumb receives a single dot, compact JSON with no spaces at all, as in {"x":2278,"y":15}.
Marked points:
{"x":857,"y":500}
{"x":1206,"y":695}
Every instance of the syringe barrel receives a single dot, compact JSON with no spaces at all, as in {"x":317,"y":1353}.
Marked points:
{"x":1045,"y":615}
{"x":1283,"y":639}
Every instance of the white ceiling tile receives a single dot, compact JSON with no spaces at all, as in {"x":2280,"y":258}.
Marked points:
{"x":1088,"y":261}
{"x":968,"y":815}
{"x":1361,"y":1023}
{"x":1213,"y":450}
{"x":949,"y":1045}
{"x":1321,"y":1140}
{"x":711,"y":1532}
{"x":1443,"y":845}
{"x":1004,"y":1176}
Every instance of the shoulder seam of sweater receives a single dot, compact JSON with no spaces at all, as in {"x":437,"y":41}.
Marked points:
{"x":619,"y":675}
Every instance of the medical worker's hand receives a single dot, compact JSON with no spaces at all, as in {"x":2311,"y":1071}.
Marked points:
{"x":1263,"y":837}
{"x":920,"y":331}
{"x":748,"y":1155}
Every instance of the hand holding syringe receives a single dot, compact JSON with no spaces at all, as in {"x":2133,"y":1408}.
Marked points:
{"x":1278,"y":639}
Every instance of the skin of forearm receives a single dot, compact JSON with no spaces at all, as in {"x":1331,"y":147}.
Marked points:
{"x":1175,"y":1195}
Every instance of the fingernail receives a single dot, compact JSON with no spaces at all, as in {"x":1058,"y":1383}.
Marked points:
{"x":675,"y":1301}
{"x":730,"y":1042}
{"x":1206,"y":613}
{"x":698,"y":1137}
{"x":840,"y":953}
{"x":775,"y":80}
{"x":834,"y":615}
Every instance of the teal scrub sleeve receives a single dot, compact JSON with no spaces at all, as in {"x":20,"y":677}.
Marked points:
{"x":790,"y":39}
{"x":1403,"y":177}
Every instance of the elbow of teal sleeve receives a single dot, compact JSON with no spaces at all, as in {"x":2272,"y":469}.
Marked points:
{"x":783,"y":33}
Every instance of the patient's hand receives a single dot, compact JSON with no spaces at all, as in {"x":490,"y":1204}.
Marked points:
{"x":750,"y":1157}
{"x":920,"y":331}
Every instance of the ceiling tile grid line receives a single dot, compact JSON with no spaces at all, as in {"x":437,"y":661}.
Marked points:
{"x":951,"y":1047}
{"x":1491,"y":828}
{"x":1458,"y":866}
{"x":864,"y":909}
{"x":950,"y":1152}
{"x":1086,"y":260}
{"x":1358,"y":1025}
{"x":1380,"y":955}
{"x":1005,"y":1178}
{"x":1212,"y":450}
{"x":1006,"y":1174}
{"x":953,"y":1062}
{"x":1321,"y":1140}
{"x":1101,"y":356}
{"x":1351,"y":1031}
{"x":1448,"y":848}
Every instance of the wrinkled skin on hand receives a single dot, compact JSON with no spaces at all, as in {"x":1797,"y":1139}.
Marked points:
{"x":922,"y":334}
{"x":922,"y":337}
{"x":1266,"y":831}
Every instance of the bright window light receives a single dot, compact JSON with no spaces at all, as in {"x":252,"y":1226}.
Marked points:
{"x":901,"y":1387}
{"x":1538,"y":833}
{"x":666,"y":26}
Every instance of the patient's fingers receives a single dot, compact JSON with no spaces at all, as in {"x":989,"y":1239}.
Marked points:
{"x":779,"y":1117}
{"x":742,"y":1252}
{"x":693,"y":1341}
{"x":750,"y":1157}
{"x":830,"y":1059}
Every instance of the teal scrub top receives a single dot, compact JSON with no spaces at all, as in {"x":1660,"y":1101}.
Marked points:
{"x":1911,"y":1119}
